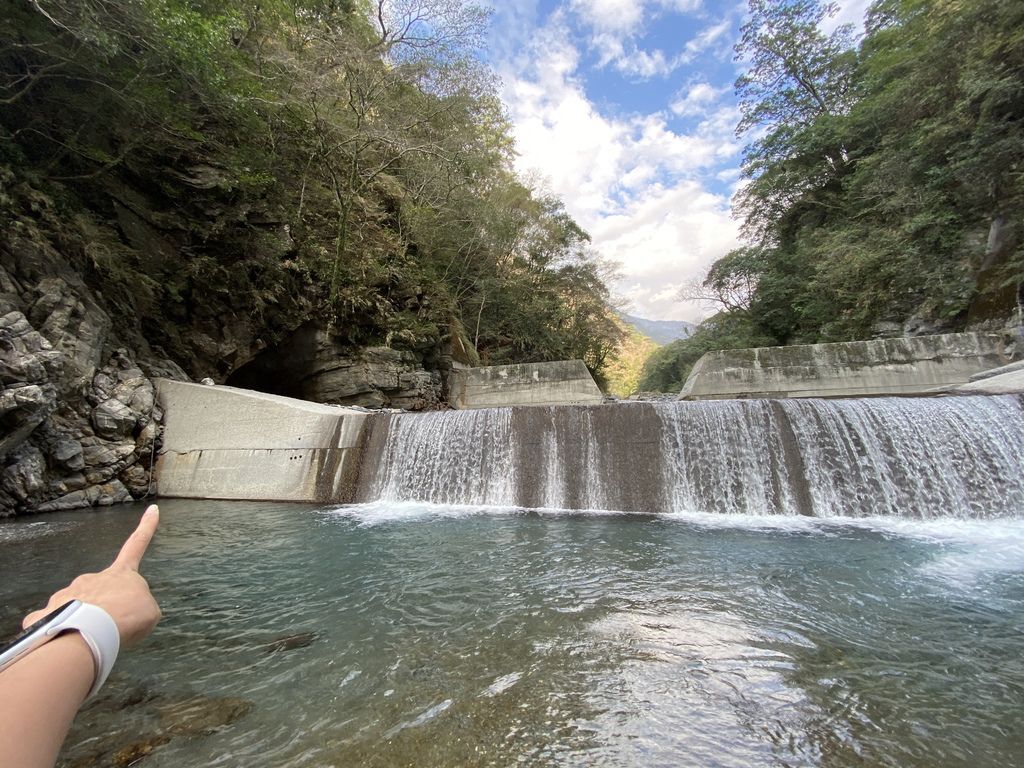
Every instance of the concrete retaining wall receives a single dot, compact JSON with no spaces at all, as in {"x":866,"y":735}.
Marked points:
{"x":850,"y":369}
{"x":563,"y":382}
{"x":226,"y":443}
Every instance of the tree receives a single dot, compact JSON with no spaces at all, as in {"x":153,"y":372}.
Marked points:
{"x":884,"y":183}
{"x":797,"y":85}
{"x":337,"y":159}
{"x":731,"y":281}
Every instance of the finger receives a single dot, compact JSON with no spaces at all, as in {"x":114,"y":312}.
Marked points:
{"x":134,"y":548}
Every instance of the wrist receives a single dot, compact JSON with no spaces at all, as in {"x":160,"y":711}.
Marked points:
{"x":72,"y":654}
{"x":93,"y":627}
{"x":66,"y":662}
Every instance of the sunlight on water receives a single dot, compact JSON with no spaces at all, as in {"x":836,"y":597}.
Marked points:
{"x":431,"y":635}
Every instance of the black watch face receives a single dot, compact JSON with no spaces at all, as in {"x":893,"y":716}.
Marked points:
{"x":33,"y":627}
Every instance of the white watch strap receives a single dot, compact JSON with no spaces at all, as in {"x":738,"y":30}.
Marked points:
{"x":100,"y":633}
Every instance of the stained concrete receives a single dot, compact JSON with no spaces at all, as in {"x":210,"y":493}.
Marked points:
{"x":565,"y":382}
{"x":903,"y":366}
{"x":1009,"y":382}
{"x":227,"y":443}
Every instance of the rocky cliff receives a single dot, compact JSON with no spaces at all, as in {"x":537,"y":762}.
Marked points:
{"x":99,"y":299}
{"x":78,"y":424}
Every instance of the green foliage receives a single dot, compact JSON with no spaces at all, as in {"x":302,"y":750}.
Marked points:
{"x":667,"y":368}
{"x":627,"y":365}
{"x":876,"y":172}
{"x":289,"y":158}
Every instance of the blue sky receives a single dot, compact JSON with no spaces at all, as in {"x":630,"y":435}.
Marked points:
{"x":625,"y":110}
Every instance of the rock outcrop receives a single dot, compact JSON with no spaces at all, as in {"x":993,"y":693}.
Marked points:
{"x":100,"y":295}
{"x":78,"y":420}
{"x":313,"y":364}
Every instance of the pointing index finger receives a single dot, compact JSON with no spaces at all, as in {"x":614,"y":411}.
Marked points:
{"x":134,"y":548}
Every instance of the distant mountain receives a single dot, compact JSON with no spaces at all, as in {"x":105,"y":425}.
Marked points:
{"x":660,"y":331}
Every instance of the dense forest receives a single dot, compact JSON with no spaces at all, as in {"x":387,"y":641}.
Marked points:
{"x":883,"y":177}
{"x":204,"y":164}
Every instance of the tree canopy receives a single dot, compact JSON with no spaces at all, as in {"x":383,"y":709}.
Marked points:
{"x":343,"y":158}
{"x":884,"y":179}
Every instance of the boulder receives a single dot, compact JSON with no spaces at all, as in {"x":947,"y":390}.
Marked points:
{"x":68,"y":439}
{"x":105,"y":454}
{"x":101,"y":495}
{"x":25,"y":476}
{"x":136,"y":479}
{"x":75,"y":325}
{"x":68,"y":451}
{"x":22,"y":409}
{"x":26,"y":356}
{"x":113,"y":419}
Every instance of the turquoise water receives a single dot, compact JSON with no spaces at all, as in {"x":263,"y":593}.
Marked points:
{"x":451,"y":636}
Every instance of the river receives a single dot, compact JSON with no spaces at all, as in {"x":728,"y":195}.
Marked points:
{"x":411,"y":634}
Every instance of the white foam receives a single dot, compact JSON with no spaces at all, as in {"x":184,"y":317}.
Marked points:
{"x":501,"y":684}
{"x":383,"y":512}
{"x":421,"y":719}
{"x":18,"y":531}
{"x":967,"y":550}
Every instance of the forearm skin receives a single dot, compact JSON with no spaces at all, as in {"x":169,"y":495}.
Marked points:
{"x":41,"y":694}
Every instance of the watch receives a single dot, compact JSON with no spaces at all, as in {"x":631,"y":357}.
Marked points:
{"x":94,"y":624}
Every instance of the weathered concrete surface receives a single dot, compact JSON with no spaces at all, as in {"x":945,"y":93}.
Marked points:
{"x":226,"y":443}
{"x":1009,"y":382}
{"x":905,"y":366}
{"x":1011,"y":368}
{"x":563,"y":382}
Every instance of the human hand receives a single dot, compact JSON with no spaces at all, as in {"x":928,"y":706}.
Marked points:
{"x":119,"y":590}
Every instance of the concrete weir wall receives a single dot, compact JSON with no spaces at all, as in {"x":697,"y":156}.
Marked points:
{"x":565,"y":382}
{"x":227,"y":443}
{"x":923,"y":364}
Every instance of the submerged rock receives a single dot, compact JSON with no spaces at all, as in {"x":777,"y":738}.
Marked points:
{"x":134,"y":752}
{"x":290,"y":642}
{"x":128,"y":721}
{"x":201,"y":714}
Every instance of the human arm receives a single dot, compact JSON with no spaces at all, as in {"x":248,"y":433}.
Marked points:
{"x":42,"y":691}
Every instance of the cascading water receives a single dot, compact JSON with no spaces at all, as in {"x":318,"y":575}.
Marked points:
{"x":927,"y":457}
{"x":910,"y":457}
{"x":449,"y":458}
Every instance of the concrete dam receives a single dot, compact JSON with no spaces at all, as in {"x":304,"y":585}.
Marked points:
{"x":911,"y":457}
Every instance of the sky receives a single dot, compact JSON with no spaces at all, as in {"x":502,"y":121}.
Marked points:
{"x":625,"y":110}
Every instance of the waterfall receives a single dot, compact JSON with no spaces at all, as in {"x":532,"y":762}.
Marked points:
{"x":911,"y":457}
{"x":447,"y":458}
{"x":915,"y":457}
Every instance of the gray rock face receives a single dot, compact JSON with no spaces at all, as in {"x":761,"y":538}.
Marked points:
{"x":314,"y":365}
{"x":77,"y":415}
{"x":68,"y":452}
{"x":112,"y":419}
{"x":379,"y":377}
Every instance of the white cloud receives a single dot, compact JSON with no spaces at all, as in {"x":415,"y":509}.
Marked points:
{"x":706,"y":39}
{"x":697,"y":99}
{"x":681,"y":6}
{"x":511,"y":26}
{"x":666,"y":238}
{"x":633,"y":182}
{"x":622,"y":16}
{"x":644,"y":64}
{"x":615,"y":26}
